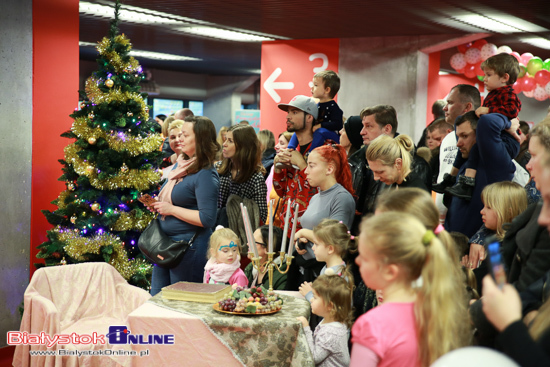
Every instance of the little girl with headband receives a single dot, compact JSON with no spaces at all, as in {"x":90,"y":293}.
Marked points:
{"x":224,"y":260}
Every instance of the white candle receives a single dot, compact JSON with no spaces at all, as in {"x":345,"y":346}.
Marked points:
{"x":270,"y":240}
{"x":250,"y":233}
{"x":285,"y":231}
{"x":294,"y":225}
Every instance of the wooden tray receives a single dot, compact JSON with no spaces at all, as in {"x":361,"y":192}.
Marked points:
{"x":217,"y":308}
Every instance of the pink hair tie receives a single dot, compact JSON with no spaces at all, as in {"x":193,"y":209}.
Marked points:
{"x":438,"y":229}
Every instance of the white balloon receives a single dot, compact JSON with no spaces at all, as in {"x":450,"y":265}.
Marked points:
{"x":457,"y":61}
{"x":487,"y":51}
{"x":474,"y":357}
{"x":529,"y":93}
{"x":540,"y":93}
{"x":547,"y":88}
{"x":504,"y":49}
{"x":472,"y":55}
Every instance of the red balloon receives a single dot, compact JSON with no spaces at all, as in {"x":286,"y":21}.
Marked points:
{"x":470,"y":71}
{"x":517,"y":87}
{"x":542,"y":77}
{"x":528,"y":84}
{"x":516,"y":55}
{"x":461,"y":71}
{"x":478,"y":70}
{"x":463,"y":48}
{"x":479,"y":43}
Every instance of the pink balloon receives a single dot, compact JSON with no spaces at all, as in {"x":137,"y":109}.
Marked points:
{"x":473,"y":55}
{"x":517,"y":56}
{"x":528,"y":84}
{"x":542,"y":77}
{"x":529,"y":94}
{"x":517,"y":87}
{"x":526,"y":57}
{"x":457,"y":61}
{"x":540,"y":94}
{"x":547,"y":89}
{"x":487,"y":51}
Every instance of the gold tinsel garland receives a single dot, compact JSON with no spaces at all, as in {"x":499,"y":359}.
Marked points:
{"x":134,"y":145}
{"x":61,"y":199}
{"x":78,"y":246}
{"x":97,"y":96}
{"x":114,"y":58}
{"x":141,"y":180}
{"x":129,"y":221}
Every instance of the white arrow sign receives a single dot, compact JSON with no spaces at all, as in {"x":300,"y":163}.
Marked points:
{"x":270,"y":85}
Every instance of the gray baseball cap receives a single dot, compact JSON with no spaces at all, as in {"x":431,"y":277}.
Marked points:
{"x":304,"y":103}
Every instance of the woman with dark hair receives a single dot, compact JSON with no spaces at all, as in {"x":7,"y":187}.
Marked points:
{"x":327,"y":169}
{"x":260,"y":277}
{"x":241,"y":171}
{"x":267,"y":146}
{"x":350,"y":135}
{"x":188,"y":200}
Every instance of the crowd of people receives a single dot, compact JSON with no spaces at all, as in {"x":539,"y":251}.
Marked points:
{"x":375,"y":252}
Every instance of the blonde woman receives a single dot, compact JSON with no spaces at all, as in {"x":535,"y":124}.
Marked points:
{"x":222,"y":135}
{"x":390,"y":160}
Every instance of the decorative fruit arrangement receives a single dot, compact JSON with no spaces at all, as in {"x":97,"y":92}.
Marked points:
{"x":250,"y":300}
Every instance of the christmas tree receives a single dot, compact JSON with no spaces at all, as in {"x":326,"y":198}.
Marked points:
{"x":113,"y":161}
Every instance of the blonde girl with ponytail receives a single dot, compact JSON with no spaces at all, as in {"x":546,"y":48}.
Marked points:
{"x":423,"y":315}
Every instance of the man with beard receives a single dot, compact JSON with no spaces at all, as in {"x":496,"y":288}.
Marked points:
{"x":290,"y":182}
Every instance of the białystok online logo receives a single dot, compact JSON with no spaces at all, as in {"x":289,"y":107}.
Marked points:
{"x":117,"y":334}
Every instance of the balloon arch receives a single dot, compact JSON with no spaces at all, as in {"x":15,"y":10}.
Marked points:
{"x":533,"y":79}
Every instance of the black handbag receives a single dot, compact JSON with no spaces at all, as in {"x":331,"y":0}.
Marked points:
{"x":160,"y":249}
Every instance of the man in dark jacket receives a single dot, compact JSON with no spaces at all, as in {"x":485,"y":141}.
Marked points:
{"x":495,"y":165}
{"x":377,"y":120}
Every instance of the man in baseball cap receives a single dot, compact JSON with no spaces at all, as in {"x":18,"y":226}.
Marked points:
{"x":304,"y":103}
{"x":289,"y":177}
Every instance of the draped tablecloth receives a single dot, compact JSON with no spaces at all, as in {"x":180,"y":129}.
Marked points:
{"x":204,"y":337}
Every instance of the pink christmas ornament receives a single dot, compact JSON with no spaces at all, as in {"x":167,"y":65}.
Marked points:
{"x":457,"y":61}
{"x":488,"y":50}
{"x":472,"y":55}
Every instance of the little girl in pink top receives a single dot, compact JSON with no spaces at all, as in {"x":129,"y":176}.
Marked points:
{"x":224,"y":260}
{"x":423,"y":315}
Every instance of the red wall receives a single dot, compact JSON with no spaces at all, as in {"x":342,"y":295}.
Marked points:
{"x":55,"y":95}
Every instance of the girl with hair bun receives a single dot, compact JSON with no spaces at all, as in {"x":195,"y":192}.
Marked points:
{"x":390,"y":160}
{"x":418,"y":321}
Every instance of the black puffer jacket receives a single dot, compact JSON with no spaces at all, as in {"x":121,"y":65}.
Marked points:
{"x":365,"y":187}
